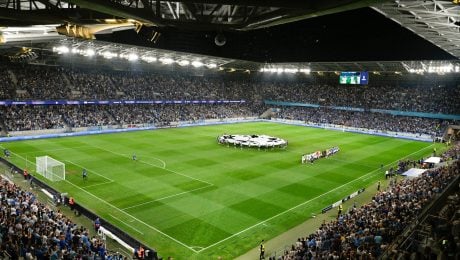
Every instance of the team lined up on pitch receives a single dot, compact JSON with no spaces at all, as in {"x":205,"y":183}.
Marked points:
{"x":319,"y":154}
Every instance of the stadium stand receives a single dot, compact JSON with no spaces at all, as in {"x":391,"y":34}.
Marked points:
{"x":368,"y":231}
{"x":377,"y":121}
{"x":364,"y":232}
{"x":34,"y":82}
{"x":33,"y":230}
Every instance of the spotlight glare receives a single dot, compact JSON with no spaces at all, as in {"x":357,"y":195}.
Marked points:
{"x":197,"y":64}
{"x":132,"y":57}
{"x":306,"y":70}
{"x":149,"y":59}
{"x":108,"y":54}
{"x":212,"y":65}
{"x":90,"y":52}
{"x":184,"y":62}
{"x":166,"y":60}
{"x":61,"y":49}
{"x":290,"y":70}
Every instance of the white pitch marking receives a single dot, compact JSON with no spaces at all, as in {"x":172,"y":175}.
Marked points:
{"x":119,"y":154}
{"x":112,"y":206}
{"x":167,"y":197}
{"x":303,"y":203}
{"x":158,"y":159}
{"x":90,"y":170}
{"x":240,"y":232}
{"x":97,"y":184}
{"x":128,"y":225}
{"x":53,"y":150}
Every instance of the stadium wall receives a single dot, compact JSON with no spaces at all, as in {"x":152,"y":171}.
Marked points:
{"x":30,"y":135}
{"x":383,"y":111}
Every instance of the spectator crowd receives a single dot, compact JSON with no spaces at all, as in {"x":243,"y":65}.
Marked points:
{"x":32,"y":82}
{"x":367,"y":231}
{"x":33,"y":230}
{"x":375,"y":121}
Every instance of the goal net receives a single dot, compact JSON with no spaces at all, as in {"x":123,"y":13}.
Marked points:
{"x":50,"y":168}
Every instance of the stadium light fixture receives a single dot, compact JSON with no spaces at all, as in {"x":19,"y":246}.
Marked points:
{"x":457,"y":68}
{"x":108,"y":54}
{"x":211,"y":66}
{"x":89,"y":52}
{"x":183,"y":62}
{"x":61,"y":49}
{"x":197,"y":64}
{"x":149,"y":59}
{"x":291,"y":70}
{"x":166,"y":60}
{"x":305,"y":70}
{"x":133,"y":57}
{"x":74,"y":50}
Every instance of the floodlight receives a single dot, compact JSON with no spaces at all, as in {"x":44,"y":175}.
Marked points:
{"x":184,"y":62}
{"x":166,"y":60}
{"x":305,"y":70}
{"x":290,"y":70}
{"x":132,"y":57}
{"x":61,"y":49}
{"x":89,"y":52}
{"x":211,"y":65}
{"x":148,"y":59}
{"x":197,"y":64}
{"x":108,"y":54}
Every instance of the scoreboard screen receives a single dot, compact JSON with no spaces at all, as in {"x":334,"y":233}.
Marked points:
{"x":354,"y":78}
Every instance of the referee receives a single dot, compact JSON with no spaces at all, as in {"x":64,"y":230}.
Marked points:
{"x":262,"y":250}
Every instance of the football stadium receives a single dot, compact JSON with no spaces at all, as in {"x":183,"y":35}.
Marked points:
{"x":190,"y":129}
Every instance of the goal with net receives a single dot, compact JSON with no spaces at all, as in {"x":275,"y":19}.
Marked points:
{"x":50,"y":168}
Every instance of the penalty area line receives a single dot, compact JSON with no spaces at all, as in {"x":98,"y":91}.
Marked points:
{"x":305,"y":202}
{"x":166,"y":197}
{"x":124,"y":212}
{"x":156,"y":166}
{"x":97,"y":184}
{"x":89,"y":170}
{"x":128,"y":225}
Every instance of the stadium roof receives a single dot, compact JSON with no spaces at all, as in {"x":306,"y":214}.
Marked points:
{"x":112,"y":25}
{"x":436,"y":21}
{"x":194,"y":14}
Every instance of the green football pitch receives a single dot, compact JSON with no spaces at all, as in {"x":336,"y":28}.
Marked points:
{"x":191,"y":198}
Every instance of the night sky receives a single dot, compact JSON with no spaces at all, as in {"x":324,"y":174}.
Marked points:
{"x":358,"y":35}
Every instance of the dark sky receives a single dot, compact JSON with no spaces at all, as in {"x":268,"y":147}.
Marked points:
{"x":358,"y":35}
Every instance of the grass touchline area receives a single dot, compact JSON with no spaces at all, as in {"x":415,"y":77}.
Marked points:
{"x":189,"y":190}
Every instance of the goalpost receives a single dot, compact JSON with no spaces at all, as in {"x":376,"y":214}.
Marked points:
{"x":50,"y":168}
